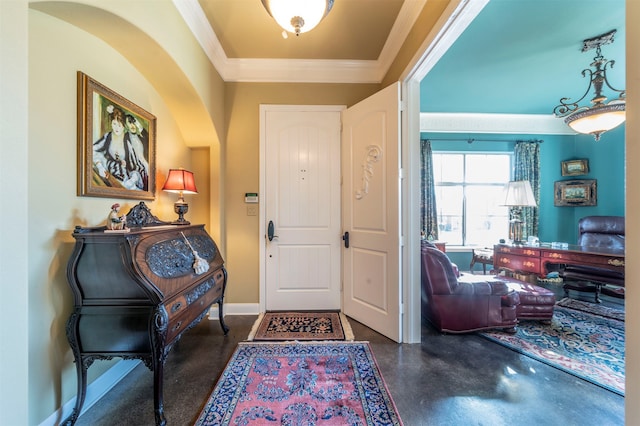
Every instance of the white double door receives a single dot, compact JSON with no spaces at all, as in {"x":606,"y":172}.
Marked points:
{"x":329,"y":173}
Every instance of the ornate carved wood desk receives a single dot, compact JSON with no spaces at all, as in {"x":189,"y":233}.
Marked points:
{"x":136,"y":293}
{"x":539,"y":259}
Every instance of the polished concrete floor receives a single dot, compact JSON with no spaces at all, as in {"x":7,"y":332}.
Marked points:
{"x":445,"y":380}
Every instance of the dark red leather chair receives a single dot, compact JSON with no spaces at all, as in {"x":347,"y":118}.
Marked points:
{"x":454,"y":306}
{"x":599,"y":232}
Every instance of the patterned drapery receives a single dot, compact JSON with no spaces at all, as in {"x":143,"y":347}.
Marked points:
{"x":428,"y":210}
{"x":527,"y":167}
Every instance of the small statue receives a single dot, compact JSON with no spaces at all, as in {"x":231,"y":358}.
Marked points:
{"x":115,"y":221}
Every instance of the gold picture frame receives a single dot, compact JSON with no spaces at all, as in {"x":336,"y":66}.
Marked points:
{"x":116,"y":144}
{"x":575,"y":193}
{"x":575,"y":167}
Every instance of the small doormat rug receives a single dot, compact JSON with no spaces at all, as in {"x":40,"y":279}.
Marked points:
{"x":285,"y":326}
{"x":580,"y":343}
{"x":300,"y":383}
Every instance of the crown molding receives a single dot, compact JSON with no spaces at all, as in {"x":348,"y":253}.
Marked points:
{"x":296,"y":70}
{"x":529,"y":124}
{"x":399,"y":32}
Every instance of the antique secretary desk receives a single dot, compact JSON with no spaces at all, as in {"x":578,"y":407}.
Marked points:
{"x":137,"y":291}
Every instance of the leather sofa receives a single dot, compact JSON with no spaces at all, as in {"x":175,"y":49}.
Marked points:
{"x":604,"y":232}
{"x":455,"y":306}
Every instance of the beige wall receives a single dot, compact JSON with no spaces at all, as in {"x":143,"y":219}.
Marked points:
{"x":53,"y":205}
{"x":632,"y":338}
{"x":241,"y":159}
{"x":14,"y":264}
{"x":187,"y":136}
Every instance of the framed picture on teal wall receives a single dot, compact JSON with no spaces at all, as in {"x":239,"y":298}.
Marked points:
{"x":581,"y":192}
{"x":575,"y":167}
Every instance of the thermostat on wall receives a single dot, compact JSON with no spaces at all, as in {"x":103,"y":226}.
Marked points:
{"x":251,"y":197}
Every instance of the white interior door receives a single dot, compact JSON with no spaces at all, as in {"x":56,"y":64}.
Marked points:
{"x":302,"y":202}
{"x":371,"y":205}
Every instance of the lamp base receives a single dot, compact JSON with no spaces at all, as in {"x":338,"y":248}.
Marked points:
{"x":515,"y":231}
{"x":181,"y":209}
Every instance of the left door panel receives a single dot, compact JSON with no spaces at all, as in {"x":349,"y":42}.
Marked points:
{"x":302,"y":200}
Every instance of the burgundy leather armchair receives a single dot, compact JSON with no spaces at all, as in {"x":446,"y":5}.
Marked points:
{"x":454,"y":306}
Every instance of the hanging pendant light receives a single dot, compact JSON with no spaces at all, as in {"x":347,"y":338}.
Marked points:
{"x":298,"y":16}
{"x":600,"y":116}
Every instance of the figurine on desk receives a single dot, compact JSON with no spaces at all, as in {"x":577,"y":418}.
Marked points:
{"x":115,"y":222}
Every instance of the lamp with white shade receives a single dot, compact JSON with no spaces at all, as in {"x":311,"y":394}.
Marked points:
{"x":517,"y":194}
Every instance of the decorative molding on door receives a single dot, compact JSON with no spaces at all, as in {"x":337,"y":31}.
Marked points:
{"x":373,"y":154}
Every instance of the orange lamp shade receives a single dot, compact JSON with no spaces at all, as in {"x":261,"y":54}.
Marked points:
{"x":180,"y":181}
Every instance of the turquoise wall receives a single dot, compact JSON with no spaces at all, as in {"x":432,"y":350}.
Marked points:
{"x":606,"y":165}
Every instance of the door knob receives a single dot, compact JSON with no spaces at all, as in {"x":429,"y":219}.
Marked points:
{"x":270,"y":231}
{"x":345,"y":237}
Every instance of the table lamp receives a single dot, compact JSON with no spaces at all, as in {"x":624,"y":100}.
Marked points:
{"x":517,"y":194}
{"x":182,"y":182}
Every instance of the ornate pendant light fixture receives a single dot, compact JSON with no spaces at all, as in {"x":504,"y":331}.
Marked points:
{"x":600,"y":116}
{"x":298,"y":16}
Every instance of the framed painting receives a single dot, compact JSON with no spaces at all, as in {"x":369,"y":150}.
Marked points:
{"x":575,"y":167}
{"x":116,"y":144}
{"x":575,"y":193}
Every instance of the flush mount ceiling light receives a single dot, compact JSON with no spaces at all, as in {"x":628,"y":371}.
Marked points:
{"x":600,"y":116}
{"x":298,"y":16}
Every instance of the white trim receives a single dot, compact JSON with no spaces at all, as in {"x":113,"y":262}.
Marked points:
{"x":298,"y":71}
{"x":234,"y":309}
{"x":452,"y":23}
{"x":525,"y":124}
{"x":96,"y":390}
{"x":399,"y":32}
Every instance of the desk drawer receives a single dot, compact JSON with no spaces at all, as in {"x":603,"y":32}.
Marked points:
{"x":520,"y":251}
{"x":517,"y":263}
{"x":197,"y":300}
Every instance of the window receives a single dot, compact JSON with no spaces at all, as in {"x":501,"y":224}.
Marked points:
{"x":468,"y":191}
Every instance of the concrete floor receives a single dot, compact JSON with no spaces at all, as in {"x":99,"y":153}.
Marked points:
{"x":445,"y":380}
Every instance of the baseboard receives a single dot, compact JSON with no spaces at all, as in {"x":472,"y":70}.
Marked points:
{"x":96,"y":390}
{"x":234,"y":309}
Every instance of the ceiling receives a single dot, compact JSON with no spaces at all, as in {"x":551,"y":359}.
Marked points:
{"x":355,"y":43}
{"x":516,"y":56}
{"x":246,"y":30}
{"x":522,"y":56}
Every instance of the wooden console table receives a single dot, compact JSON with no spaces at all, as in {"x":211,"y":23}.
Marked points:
{"x":136,"y":293}
{"x":540,"y":260}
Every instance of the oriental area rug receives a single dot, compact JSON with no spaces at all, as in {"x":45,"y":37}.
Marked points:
{"x":301,"y":383}
{"x":587,"y":342}
{"x":288,"y":326}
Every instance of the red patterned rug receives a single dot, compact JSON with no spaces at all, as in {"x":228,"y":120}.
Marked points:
{"x":284,"y":326}
{"x":301,"y":383}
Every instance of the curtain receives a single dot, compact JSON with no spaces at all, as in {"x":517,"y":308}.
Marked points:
{"x":428,"y":211}
{"x":527,"y":167}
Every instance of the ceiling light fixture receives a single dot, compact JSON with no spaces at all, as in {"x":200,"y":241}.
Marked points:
{"x":298,"y":16}
{"x":600,"y":116}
